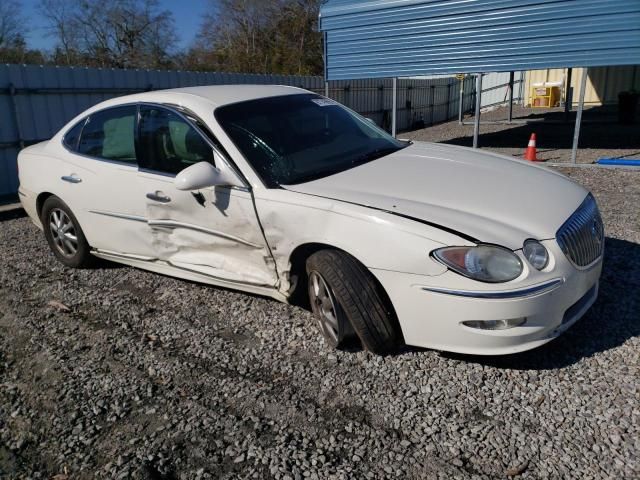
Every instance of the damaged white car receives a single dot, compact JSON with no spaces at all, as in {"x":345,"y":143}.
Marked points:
{"x":276,"y":190}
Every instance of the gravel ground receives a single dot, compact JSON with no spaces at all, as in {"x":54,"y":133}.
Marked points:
{"x":118,"y":373}
{"x":600,"y":135}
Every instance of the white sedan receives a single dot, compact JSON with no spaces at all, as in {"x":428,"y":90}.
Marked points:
{"x":278,"y":191}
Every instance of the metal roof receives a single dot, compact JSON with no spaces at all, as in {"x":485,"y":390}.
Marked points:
{"x":392,"y":38}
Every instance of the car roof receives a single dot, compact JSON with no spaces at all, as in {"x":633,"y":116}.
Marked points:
{"x":220,"y":94}
{"x":194,"y":98}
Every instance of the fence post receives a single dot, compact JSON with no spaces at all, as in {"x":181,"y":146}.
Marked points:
{"x":511,"y":74}
{"x":408,"y":104}
{"x":16,"y":114}
{"x":432,"y":94}
{"x":476,"y":126}
{"x":381,"y":103}
{"x":568,"y":96}
{"x":461,"y":101}
{"x":394,"y":106}
{"x":576,"y":133}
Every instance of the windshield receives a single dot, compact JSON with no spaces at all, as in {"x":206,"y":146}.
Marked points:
{"x":298,"y":138}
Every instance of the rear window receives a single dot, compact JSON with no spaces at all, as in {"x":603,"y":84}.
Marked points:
{"x":72,"y":136}
{"x":110,"y":134}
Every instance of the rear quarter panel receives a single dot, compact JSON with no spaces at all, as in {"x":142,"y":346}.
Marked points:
{"x":38,"y":168}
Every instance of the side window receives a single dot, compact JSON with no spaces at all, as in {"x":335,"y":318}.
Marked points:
{"x":110,"y":134}
{"x":168,"y":144}
{"x":73,"y":135}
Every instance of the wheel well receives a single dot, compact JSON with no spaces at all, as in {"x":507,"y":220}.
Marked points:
{"x":40,"y":202}
{"x":298,"y":261}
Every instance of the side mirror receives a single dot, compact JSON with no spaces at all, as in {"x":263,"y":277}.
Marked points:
{"x":203,"y":175}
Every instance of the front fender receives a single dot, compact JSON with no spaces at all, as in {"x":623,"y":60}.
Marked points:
{"x":379,"y":240}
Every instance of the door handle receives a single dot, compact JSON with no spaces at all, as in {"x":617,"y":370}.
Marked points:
{"x":71,"y":178}
{"x":158,"y":197}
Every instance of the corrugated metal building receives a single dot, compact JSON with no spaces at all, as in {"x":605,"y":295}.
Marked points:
{"x":396,"y":38}
{"x":399,"y":38}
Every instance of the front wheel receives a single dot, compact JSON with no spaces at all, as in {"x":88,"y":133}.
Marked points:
{"x":64,"y":235}
{"x":346,"y":298}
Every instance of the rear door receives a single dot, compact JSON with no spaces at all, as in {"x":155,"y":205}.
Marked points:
{"x":100,"y":179}
{"x":214,"y":231}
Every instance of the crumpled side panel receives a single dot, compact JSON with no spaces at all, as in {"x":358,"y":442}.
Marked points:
{"x":377,"y":239}
{"x":216,"y":234}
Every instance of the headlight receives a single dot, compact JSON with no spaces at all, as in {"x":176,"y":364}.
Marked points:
{"x":485,"y":263}
{"x":536,"y":254}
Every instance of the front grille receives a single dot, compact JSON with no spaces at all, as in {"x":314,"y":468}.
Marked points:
{"x":581,"y":237}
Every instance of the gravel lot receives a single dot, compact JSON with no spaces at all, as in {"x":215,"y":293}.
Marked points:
{"x":600,"y":134}
{"x":118,"y":373}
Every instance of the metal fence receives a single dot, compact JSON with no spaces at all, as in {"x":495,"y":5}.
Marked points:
{"x":36,"y":101}
{"x":495,"y":91}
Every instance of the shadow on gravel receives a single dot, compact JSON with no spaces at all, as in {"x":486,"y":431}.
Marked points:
{"x":611,"y":321}
{"x":12,"y":214}
{"x":558,"y":136}
{"x":597,"y":132}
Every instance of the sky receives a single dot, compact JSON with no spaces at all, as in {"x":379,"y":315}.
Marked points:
{"x":186,"y":13}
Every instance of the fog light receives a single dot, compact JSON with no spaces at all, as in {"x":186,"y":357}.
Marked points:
{"x":495,"y":324}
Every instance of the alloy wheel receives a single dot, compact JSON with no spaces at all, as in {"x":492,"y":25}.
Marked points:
{"x":324,"y":306}
{"x":63,"y":232}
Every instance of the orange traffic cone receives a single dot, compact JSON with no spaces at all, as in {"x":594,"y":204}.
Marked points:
{"x":530,"y":152}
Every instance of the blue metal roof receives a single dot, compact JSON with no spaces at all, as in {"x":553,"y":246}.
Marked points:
{"x":390,"y":38}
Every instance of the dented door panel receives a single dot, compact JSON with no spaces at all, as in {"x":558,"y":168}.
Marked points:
{"x":214,"y":232}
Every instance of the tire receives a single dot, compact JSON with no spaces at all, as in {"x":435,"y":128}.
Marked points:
{"x":361,"y":301}
{"x":60,"y":228}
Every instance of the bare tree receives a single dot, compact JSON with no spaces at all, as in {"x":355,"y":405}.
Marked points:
{"x":10,"y":24}
{"x":13,"y":46}
{"x":119,"y":33}
{"x":63,"y":27}
{"x":258,"y":36}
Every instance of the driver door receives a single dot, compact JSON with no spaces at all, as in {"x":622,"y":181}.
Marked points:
{"x":214,"y":231}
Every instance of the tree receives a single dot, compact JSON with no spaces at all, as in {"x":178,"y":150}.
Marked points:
{"x":257,"y":36}
{"x":63,"y":27}
{"x":13,"y":47}
{"x":119,"y":33}
{"x":10,"y":21}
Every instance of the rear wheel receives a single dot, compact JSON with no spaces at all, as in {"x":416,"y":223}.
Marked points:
{"x":346,"y":298}
{"x":64,"y":235}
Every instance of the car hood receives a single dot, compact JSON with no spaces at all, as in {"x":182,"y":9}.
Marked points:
{"x":481,"y":195}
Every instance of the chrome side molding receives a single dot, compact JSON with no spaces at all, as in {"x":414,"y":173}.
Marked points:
{"x":497,"y":294}
{"x":119,"y":215}
{"x":174,"y":224}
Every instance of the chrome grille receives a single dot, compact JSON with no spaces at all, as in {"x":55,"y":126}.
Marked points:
{"x":581,"y":237}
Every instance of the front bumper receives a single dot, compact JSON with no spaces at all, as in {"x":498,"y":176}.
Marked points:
{"x":432,"y":319}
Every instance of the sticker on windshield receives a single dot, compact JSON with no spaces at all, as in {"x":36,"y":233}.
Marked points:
{"x":323,"y":102}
